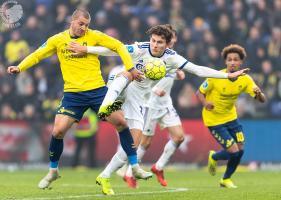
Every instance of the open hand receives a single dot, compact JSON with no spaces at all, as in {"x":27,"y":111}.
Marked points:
{"x":236,"y":74}
{"x":137,"y":75}
{"x":77,"y":49}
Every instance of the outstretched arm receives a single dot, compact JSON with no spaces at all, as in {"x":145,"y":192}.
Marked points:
{"x":211,"y":73}
{"x":46,"y":50}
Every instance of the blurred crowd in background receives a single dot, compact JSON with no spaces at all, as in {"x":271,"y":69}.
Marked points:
{"x":204,"y":27}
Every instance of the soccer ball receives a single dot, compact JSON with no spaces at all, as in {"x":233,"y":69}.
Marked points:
{"x":155,"y":69}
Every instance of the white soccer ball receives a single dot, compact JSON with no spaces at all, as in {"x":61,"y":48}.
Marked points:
{"x":155,"y":69}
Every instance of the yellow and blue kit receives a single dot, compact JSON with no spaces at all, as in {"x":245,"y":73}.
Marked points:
{"x":83,"y":82}
{"x":222,"y":120}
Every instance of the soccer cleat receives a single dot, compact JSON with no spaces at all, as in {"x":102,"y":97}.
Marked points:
{"x":227,"y":183}
{"x":105,"y":185}
{"x":139,"y":173}
{"x":48,"y":179}
{"x":131,"y":181}
{"x":116,"y":106}
{"x":160,"y":175}
{"x":105,"y":111}
{"x":212,"y":164}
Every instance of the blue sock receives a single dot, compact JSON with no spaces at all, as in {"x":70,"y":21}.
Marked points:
{"x":221,"y":155}
{"x":232,"y":164}
{"x":55,"y":151}
{"x":127,"y":143}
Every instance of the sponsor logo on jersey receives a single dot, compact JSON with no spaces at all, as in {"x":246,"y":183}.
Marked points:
{"x":130,"y":49}
{"x":205,"y":84}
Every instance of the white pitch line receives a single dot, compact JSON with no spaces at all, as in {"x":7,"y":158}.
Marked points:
{"x":169,"y":190}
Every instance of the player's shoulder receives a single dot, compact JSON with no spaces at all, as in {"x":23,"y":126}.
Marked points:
{"x":170,"y":52}
{"x":137,"y":47}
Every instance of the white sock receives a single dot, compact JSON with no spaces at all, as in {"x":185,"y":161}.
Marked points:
{"x":117,"y":161}
{"x":129,"y":171}
{"x":114,"y":90}
{"x":140,"y":152}
{"x":169,"y":150}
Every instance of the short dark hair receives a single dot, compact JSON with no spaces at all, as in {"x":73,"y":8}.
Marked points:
{"x":161,"y":30}
{"x":81,"y":12}
{"x":169,"y":26}
{"x":234,"y":48}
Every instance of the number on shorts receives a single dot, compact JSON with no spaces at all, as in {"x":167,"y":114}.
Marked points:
{"x":240,"y":136}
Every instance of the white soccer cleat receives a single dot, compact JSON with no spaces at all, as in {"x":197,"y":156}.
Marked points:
{"x":48,"y":179}
{"x":139,"y":173}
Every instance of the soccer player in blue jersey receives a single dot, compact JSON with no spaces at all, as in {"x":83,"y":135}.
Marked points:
{"x":218,"y":97}
{"x":84,"y":87}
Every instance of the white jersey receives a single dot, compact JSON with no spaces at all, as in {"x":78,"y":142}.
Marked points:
{"x":140,"y":53}
{"x":157,"y":102}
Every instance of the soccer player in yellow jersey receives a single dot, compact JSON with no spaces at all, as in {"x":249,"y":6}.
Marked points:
{"x":84,"y":86}
{"x":218,"y":97}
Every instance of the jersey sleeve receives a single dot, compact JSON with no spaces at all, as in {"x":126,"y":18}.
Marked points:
{"x":135,"y":49}
{"x":206,"y":86}
{"x":250,"y":86}
{"x":102,"y":51}
{"x":117,"y":46}
{"x":46,"y":50}
{"x":202,"y":71}
{"x":177,"y":60}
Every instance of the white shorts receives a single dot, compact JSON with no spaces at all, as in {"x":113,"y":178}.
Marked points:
{"x":133,"y":108}
{"x":167,"y":117}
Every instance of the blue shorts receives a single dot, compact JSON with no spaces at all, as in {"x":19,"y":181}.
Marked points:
{"x":74,"y":104}
{"x":227,"y":134}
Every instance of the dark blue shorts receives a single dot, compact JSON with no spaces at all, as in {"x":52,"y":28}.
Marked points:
{"x":227,"y":134}
{"x":74,"y":104}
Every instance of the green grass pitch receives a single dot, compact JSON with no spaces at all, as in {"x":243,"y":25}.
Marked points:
{"x":182,"y":184}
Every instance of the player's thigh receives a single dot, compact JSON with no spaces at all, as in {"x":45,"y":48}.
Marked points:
{"x":172,"y":122}
{"x":151,"y":118}
{"x":222,"y":136}
{"x":62,"y":124}
{"x":236,"y":131}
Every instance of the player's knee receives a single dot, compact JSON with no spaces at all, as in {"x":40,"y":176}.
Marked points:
{"x":58,"y":133}
{"x":120,"y":124}
{"x":235,"y":154}
{"x":178,"y":139}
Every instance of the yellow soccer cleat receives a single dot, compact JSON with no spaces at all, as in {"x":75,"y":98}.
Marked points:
{"x":212,"y":164}
{"x":105,"y":185}
{"x":48,"y":179}
{"x":106,"y":110}
{"x":227,"y":183}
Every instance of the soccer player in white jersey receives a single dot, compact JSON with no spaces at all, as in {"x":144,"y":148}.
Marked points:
{"x":160,"y":110}
{"x":137,"y":92}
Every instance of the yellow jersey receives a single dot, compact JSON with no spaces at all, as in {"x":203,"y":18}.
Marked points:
{"x":224,"y":93}
{"x":80,"y":73}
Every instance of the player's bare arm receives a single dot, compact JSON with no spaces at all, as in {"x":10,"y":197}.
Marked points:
{"x":259,"y":95}
{"x":208,"y":105}
{"x":13,"y":70}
